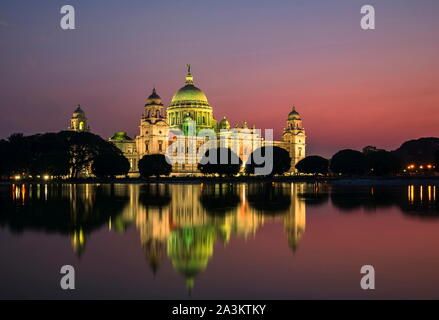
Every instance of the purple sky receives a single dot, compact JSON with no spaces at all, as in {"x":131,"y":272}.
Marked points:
{"x":254,"y":60}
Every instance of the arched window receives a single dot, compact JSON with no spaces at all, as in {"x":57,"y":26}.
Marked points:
{"x":81,"y":126}
{"x":158,"y":114}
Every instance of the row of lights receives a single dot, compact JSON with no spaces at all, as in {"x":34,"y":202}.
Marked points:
{"x":44,"y":177}
{"x":413,"y":167}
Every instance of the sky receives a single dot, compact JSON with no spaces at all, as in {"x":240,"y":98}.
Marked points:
{"x":253,"y":59}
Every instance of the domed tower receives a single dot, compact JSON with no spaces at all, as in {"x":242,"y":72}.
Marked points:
{"x":294,"y":138}
{"x":154,"y":129}
{"x":78,"y":122}
{"x":191,"y":101}
{"x":154,"y":108}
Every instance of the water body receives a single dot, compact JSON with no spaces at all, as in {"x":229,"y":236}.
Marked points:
{"x":219,"y":241}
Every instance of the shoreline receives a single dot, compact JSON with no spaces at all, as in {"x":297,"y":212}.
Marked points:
{"x":337,"y":181}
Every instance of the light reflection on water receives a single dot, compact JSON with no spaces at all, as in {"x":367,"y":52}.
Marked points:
{"x":184,"y":223}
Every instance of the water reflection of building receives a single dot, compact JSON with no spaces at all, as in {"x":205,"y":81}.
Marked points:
{"x":185,"y":221}
{"x":179,"y":222}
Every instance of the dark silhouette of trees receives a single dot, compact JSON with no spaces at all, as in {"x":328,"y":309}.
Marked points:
{"x":269,"y":199}
{"x":419,"y":152}
{"x":222,"y":161}
{"x":281,"y":161}
{"x":154,"y":165}
{"x":110,"y":165}
{"x":381,"y":163}
{"x":220,"y":199}
{"x":65,"y":153}
{"x":350,"y":162}
{"x":4,"y":158}
{"x":83,"y":148}
{"x":313,"y":164}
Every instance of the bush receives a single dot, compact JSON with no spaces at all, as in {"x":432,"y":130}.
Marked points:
{"x":225,"y":162}
{"x":154,"y":165}
{"x":281,"y":161}
{"x":349,"y":162}
{"x":110,"y":165}
{"x":313,"y":164}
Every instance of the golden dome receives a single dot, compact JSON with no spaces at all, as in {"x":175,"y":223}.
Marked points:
{"x":189,"y":95}
{"x":294,"y":115}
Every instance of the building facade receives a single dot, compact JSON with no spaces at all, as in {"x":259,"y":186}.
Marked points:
{"x":190,"y":117}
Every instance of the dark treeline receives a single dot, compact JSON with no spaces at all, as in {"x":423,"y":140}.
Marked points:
{"x":62,"y":154}
{"x":222,"y":162}
{"x":413,"y":157}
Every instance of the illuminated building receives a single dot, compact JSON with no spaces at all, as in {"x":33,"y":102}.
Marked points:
{"x":190,"y":112}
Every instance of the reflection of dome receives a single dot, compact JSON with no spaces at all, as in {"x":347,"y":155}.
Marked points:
{"x":120,"y":136}
{"x":224,"y":124}
{"x":294,"y":115}
{"x":190,"y":250}
{"x":154,"y":99}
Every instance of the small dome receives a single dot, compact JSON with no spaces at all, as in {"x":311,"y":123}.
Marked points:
{"x":120,"y":136}
{"x":224,"y":124}
{"x":154,"y":99}
{"x":294,"y":115}
{"x":78,"y":109}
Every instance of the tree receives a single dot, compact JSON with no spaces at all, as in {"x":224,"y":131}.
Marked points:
{"x":348,"y":162}
{"x":419,"y":152}
{"x":313,"y":164}
{"x":49,"y":155}
{"x":222,"y":161}
{"x":4,"y":158}
{"x":280,"y":162}
{"x":382,"y":163}
{"x":110,"y":165}
{"x":56,"y":154}
{"x":83,"y":148}
{"x":154,"y":165}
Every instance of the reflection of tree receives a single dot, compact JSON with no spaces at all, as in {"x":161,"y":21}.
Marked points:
{"x":154,"y":195}
{"x":417,"y":201}
{"x":59,"y":210}
{"x":74,"y":210}
{"x":315,"y":194}
{"x":220,"y":199}
{"x":269,"y":198}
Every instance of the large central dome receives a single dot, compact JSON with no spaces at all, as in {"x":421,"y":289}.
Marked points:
{"x":190,"y":103}
{"x":189,"y":94}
